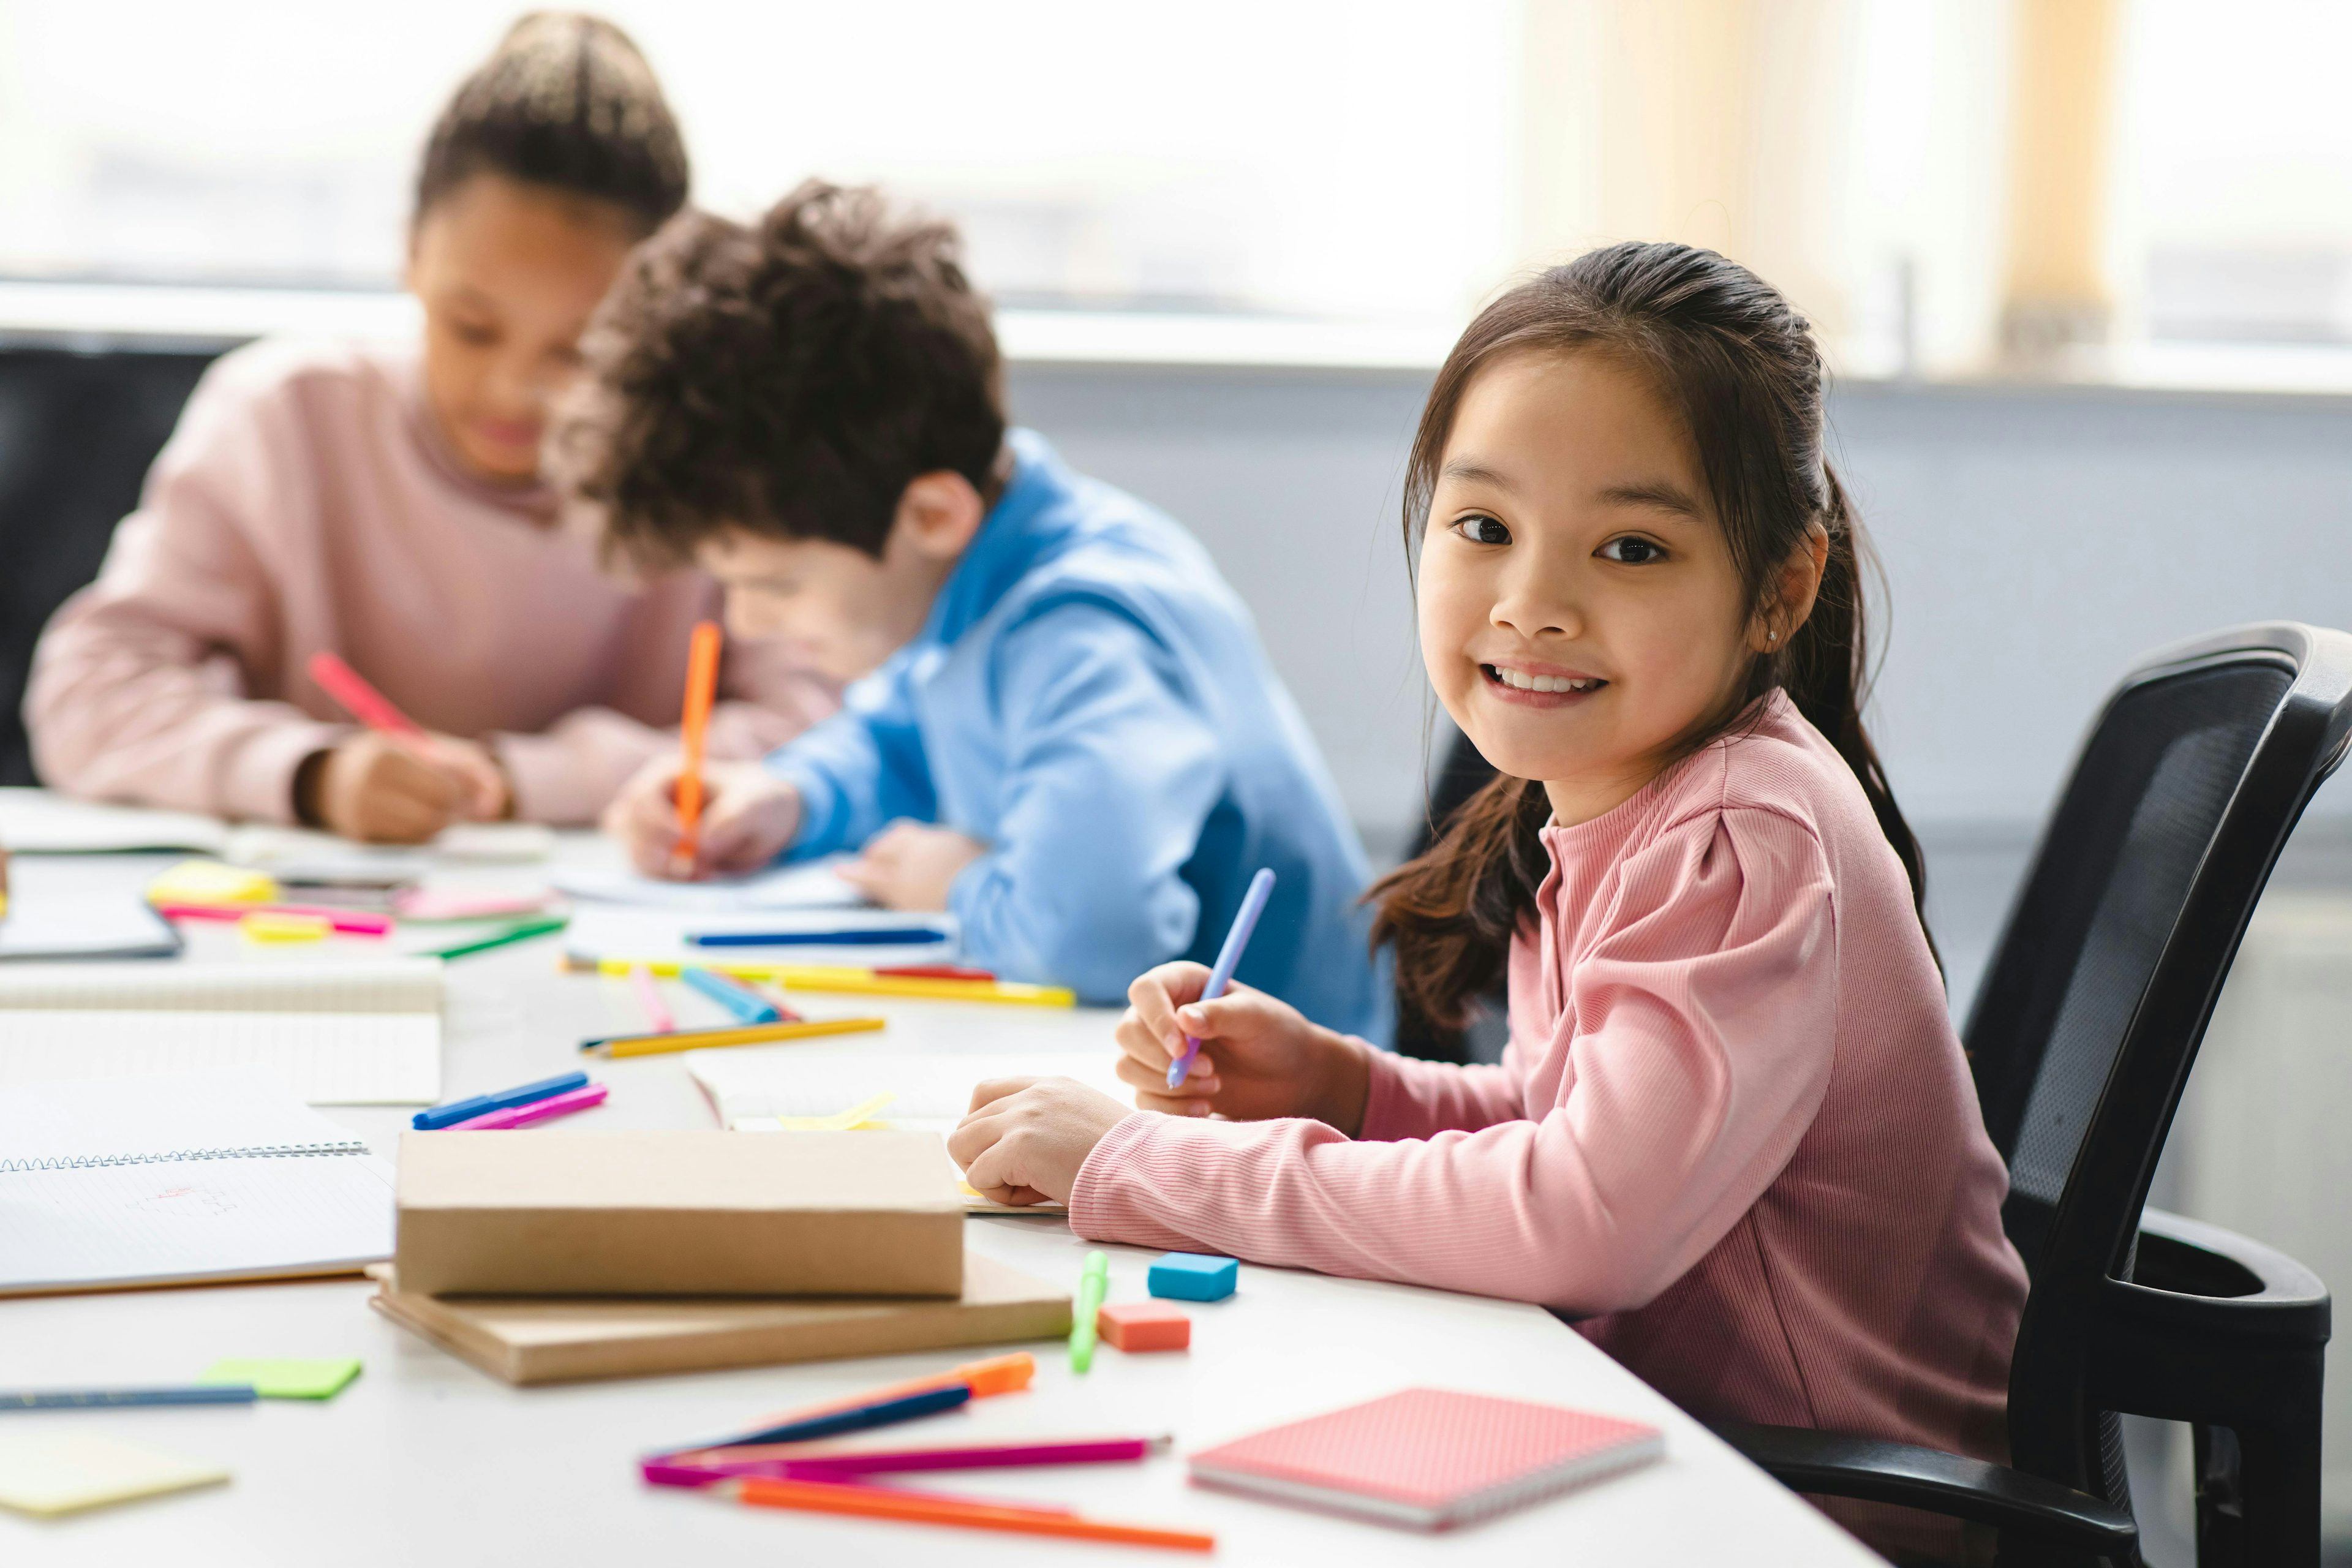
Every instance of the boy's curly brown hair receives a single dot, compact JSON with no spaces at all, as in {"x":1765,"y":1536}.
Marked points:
{"x":789,"y":379}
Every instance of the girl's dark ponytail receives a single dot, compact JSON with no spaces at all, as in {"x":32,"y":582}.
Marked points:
{"x":1741,"y":368}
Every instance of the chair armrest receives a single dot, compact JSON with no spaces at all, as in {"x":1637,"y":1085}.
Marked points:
{"x":2192,"y":1275}
{"x":1833,"y":1464}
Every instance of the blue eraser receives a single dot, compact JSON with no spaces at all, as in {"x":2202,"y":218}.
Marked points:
{"x":1190,"y":1277}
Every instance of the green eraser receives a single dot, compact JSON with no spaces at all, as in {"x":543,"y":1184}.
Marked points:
{"x":286,"y":1379}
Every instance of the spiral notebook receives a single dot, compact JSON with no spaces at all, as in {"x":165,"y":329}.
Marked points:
{"x":1429,"y":1457}
{"x":358,"y":1033}
{"x":191,"y":1179}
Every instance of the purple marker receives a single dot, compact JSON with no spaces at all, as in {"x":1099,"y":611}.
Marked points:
{"x":1229,"y":958}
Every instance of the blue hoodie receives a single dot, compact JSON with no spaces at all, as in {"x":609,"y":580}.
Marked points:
{"x":1089,"y":698}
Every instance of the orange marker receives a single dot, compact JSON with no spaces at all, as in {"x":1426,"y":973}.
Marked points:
{"x":693,"y":730}
{"x":887,"y":1502}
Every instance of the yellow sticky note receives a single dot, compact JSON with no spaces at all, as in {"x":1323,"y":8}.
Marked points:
{"x":269,"y":925}
{"x":211,"y":882}
{"x":65,"y":1472}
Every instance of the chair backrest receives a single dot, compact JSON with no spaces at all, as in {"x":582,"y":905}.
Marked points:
{"x":2098,"y":994}
{"x":77,"y":433}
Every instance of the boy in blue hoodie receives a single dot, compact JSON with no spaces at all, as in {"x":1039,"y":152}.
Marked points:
{"x":1063,"y":731}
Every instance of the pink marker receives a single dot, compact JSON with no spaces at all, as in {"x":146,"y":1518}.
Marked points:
{"x":537,"y":1111}
{"x":350,"y":922}
{"x":702,"y":1466}
{"x":363,"y":701}
{"x":657,"y":1015}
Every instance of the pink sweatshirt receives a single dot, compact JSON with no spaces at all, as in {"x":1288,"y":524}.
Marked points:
{"x":306,"y":501}
{"x":1733,"y":1133}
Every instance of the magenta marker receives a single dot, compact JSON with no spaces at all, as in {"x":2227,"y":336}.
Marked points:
{"x":1229,"y":958}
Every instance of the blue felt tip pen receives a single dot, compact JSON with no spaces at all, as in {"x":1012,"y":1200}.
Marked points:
{"x":747,"y":1005}
{"x":458,"y":1111}
{"x":1229,"y":958}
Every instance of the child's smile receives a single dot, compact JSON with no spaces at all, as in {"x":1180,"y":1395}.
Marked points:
{"x":1539,"y":685}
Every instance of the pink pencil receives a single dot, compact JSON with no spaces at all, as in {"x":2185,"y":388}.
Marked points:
{"x":779,"y":1461}
{"x":366,"y":703}
{"x":657,"y":1015}
{"x":537,"y":1111}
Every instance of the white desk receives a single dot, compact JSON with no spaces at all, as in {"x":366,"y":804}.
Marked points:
{"x":424,"y":1459}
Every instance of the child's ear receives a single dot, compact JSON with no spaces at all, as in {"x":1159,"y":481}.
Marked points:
{"x":939,"y":514}
{"x":1790,"y":601}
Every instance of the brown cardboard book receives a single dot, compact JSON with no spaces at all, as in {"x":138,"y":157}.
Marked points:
{"x":677,"y":1213}
{"x":569,"y":1339}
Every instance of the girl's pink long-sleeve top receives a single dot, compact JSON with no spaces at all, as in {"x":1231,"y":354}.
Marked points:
{"x":1734,"y":1133}
{"x":306,"y":501}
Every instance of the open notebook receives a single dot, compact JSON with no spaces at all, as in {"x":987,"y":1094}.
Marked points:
{"x":364,"y":1033}
{"x":183,"y":1179}
{"x":755,"y":1088}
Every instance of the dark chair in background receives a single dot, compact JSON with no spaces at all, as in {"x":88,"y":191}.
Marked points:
{"x":77,"y":433}
{"x":2081,"y":1038}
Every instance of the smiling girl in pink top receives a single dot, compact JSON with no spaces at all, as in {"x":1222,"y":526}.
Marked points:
{"x":383,"y":502}
{"x":1734,"y":1136}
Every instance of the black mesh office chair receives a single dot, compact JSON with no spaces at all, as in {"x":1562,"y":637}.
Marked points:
{"x":77,"y":433}
{"x":2082,"y":1036}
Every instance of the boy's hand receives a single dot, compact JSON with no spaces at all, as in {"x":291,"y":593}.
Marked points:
{"x":910,"y":865}
{"x":382,"y":791}
{"x":748,"y":818}
{"x":485,"y":791}
{"x":1259,"y":1058}
{"x":1026,"y":1137}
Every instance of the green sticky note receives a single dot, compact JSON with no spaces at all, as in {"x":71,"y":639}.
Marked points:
{"x":284,"y":1379}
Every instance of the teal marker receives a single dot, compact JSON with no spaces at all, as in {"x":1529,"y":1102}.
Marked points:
{"x":1092,"y":1286}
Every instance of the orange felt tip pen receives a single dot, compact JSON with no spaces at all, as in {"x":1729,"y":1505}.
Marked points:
{"x":693,"y":731}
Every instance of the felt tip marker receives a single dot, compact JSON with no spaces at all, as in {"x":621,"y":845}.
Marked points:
{"x":1229,"y":958}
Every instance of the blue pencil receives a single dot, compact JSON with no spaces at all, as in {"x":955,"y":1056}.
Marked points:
{"x":747,"y":1005}
{"x":458,"y":1111}
{"x":1229,"y":958}
{"x":113,"y":1398}
{"x":881,"y":1412}
{"x":889,"y":936}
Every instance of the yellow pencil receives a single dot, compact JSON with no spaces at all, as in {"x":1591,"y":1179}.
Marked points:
{"x":862,"y":982}
{"x":733,"y":1035}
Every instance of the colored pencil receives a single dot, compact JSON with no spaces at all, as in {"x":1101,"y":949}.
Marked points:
{"x":693,"y":731}
{"x":117,"y":1398}
{"x":661,"y":1473}
{"x":1229,"y":958}
{"x":732,"y":1034}
{"x":657,"y":1013}
{"x":844,"y":980}
{"x":936,"y":972}
{"x":985,"y":1378}
{"x":856,"y":1418}
{"x":885,"y":1502}
{"x":747,"y":1005}
{"x":795,"y":1463}
{"x":537,"y":1111}
{"x":465,"y":1110}
{"x":522,"y":931}
{"x":847,"y":936}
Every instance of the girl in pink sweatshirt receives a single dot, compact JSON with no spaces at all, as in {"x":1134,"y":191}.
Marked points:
{"x":1734,"y":1136}
{"x":385,"y":503}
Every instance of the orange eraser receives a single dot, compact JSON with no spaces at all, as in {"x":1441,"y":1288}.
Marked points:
{"x":1144,"y":1326}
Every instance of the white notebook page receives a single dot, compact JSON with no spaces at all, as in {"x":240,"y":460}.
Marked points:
{"x":147,"y":1181}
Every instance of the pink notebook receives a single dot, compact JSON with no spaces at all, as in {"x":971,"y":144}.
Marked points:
{"x":1427,"y":1458}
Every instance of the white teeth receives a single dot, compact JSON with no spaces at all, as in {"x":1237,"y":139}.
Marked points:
{"x":1518,"y":680}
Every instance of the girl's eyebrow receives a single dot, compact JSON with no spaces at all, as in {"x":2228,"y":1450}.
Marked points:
{"x":1655,"y":494}
{"x":1476,"y":473}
